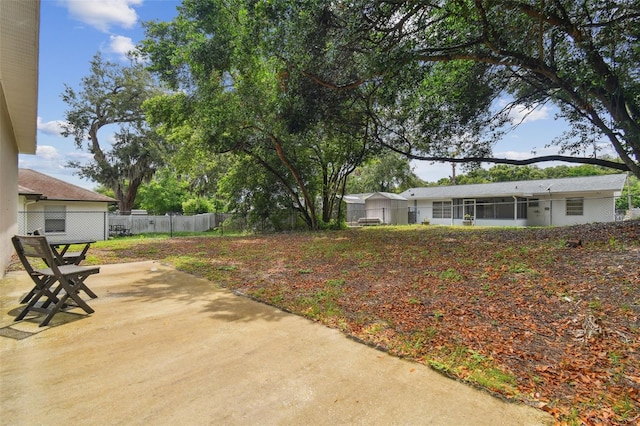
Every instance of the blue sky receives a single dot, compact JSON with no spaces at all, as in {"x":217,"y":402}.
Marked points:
{"x":73,"y":31}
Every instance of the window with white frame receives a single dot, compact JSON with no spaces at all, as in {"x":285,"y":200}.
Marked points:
{"x":442,"y":209}
{"x":55,"y":218}
{"x":575,"y":206}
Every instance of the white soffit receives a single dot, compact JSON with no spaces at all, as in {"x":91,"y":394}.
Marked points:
{"x":19,"y":47}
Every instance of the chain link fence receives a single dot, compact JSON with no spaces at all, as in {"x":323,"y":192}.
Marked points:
{"x":98,"y":225}
{"x":65,"y":225}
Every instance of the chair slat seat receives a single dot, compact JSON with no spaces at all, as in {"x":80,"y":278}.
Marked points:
{"x":69,"y":270}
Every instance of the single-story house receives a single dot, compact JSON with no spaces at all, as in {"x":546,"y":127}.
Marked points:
{"x":62,"y":210}
{"x":376,"y":208}
{"x":19,"y":47}
{"x":557,"y":202}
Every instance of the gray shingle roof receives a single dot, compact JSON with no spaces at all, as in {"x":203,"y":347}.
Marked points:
{"x":526,"y":188}
{"x":360,"y":198}
{"x":31,"y":182}
{"x":387,"y":195}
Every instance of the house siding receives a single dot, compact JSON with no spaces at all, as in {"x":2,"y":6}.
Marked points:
{"x":599,"y":208}
{"x":539,"y":202}
{"x":425,"y":211}
{"x":596,"y":208}
{"x":9,"y":186}
{"x":19,"y":31}
{"x":83,"y":220}
{"x":521,"y":203}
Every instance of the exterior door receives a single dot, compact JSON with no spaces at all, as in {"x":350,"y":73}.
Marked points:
{"x":537,"y":212}
{"x":413,"y":215}
{"x":469,"y":208}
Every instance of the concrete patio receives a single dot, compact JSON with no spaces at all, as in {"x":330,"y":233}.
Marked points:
{"x":164,"y":347}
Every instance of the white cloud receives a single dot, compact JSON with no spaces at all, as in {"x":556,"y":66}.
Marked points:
{"x":50,"y":127}
{"x":54,"y":169}
{"x":121,"y":45}
{"x":47,"y":160}
{"x":48,"y":153}
{"x":517,"y":155}
{"x":524,"y":154}
{"x":524,"y":114}
{"x":80,"y":156}
{"x":430,"y":171}
{"x":50,"y":161}
{"x":102,"y":14}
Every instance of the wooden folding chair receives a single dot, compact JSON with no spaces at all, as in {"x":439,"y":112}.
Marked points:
{"x":62,"y":257}
{"x":53,"y":285}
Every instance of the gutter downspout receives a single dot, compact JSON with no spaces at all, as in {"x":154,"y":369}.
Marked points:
{"x":26,"y":215}
{"x":515,"y":209}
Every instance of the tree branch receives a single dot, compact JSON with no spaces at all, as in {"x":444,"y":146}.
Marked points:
{"x":580,"y":160}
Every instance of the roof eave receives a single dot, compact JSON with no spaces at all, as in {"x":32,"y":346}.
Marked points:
{"x":19,"y":51}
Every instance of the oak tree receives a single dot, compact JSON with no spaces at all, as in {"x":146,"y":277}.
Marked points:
{"x":110,"y":98}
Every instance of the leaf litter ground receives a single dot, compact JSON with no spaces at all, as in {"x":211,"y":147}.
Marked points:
{"x":513,"y":311}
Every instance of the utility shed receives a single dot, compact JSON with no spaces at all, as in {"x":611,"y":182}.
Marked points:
{"x":377,"y":207}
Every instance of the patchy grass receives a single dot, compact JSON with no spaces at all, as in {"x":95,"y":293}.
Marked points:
{"x":512,"y":311}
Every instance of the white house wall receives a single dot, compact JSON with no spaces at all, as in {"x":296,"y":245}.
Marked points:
{"x":425,"y":211}
{"x":84,"y":220}
{"x":596,"y":208}
{"x":8,"y":186}
{"x":19,"y":32}
{"x":496,"y":222}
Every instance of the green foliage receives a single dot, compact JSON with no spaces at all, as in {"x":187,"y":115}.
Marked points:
{"x":245,"y":99}
{"x":197,"y":206}
{"x":333,"y":225}
{"x":164,"y":194}
{"x":437,"y":109}
{"x":256,"y":196}
{"x":450,"y":275}
{"x":508,"y":173}
{"x":308,"y":91}
{"x":388,"y":172}
{"x":580,"y":56}
{"x":101,"y":189}
{"x":633,"y":187}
